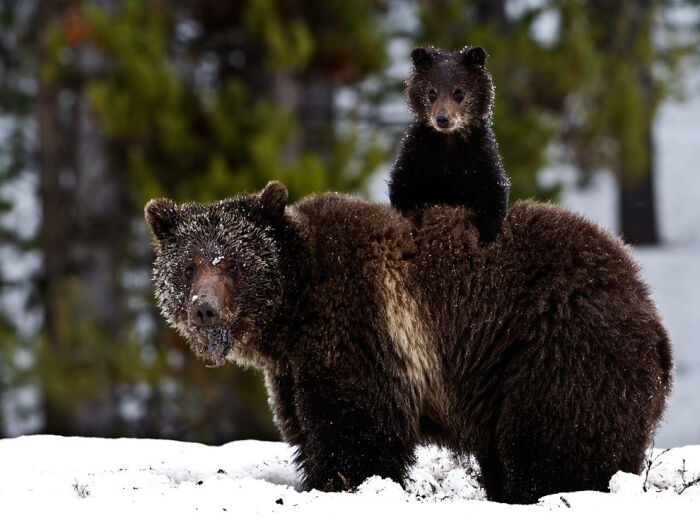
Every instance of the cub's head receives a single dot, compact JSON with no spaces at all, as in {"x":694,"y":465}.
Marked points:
{"x":217,"y":270}
{"x":449,"y":91}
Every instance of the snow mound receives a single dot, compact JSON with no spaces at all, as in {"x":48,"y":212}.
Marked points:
{"x":673,"y":470}
{"x":89,"y":479}
{"x":439,"y":475}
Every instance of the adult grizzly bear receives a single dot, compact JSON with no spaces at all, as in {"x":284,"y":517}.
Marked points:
{"x":540,"y":353}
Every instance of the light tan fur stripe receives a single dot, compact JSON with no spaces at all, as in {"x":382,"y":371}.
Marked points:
{"x":413,"y":342}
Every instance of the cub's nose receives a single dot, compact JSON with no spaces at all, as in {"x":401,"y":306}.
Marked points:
{"x":204,"y":313}
{"x":443,"y":120}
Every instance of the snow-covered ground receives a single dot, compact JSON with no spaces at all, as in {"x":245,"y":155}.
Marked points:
{"x":84,"y":480}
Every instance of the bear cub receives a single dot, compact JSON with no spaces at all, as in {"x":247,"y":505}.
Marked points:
{"x":449,"y":153}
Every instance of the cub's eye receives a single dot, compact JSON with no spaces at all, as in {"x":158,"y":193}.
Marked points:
{"x":432,"y":95}
{"x":458,"y":95}
{"x":189,"y":272}
{"x":232,"y":271}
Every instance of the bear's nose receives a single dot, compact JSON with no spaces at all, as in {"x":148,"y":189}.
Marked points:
{"x":443,"y":120}
{"x":205,"y":314}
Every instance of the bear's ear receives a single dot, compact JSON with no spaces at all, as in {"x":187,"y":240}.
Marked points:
{"x":273,"y":200}
{"x":161,"y":216}
{"x":473,"y":56}
{"x":422,"y":58}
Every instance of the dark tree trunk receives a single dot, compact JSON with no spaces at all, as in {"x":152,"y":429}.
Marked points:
{"x":493,"y":12}
{"x":52,"y":237}
{"x":637,"y":203}
{"x":316,"y":114}
{"x":83,"y":234}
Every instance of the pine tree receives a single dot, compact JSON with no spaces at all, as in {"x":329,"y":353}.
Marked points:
{"x":637,"y":54}
{"x":193,"y":100}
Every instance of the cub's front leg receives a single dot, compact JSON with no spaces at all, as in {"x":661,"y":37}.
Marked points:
{"x":350,"y":432}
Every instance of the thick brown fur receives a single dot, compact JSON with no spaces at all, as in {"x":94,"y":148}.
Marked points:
{"x":449,"y":154}
{"x":540,"y":353}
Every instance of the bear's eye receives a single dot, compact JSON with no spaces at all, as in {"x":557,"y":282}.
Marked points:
{"x":232,"y":271}
{"x":458,"y":95}
{"x":432,"y":95}
{"x":189,"y":272}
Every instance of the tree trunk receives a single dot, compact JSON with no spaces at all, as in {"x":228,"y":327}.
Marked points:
{"x":637,"y":203}
{"x":316,"y":114}
{"x":493,"y":11}
{"x":83,"y":233}
{"x":53,"y":216}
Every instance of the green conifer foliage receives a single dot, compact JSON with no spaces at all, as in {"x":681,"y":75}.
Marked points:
{"x":194,"y":101}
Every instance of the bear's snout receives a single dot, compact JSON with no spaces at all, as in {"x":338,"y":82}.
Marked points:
{"x":204,"y":312}
{"x":443,"y":120}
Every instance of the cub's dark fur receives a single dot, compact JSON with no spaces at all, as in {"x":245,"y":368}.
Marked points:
{"x":540,"y":353}
{"x":449,"y":154}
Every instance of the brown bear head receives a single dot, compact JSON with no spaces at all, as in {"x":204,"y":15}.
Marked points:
{"x":450,"y":91}
{"x":217,"y":270}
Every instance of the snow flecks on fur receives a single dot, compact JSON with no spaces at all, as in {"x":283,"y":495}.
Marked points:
{"x":220,"y":235}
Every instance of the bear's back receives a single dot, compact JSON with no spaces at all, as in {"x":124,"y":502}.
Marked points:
{"x":546,"y":259}
{"x":349,"y":231}
{"x":544,"y":252}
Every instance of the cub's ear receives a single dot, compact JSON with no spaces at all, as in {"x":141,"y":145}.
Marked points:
{"x":273,"y":199}
{"x":161,"y":216}
{"x":422,"y":58}
{"x":473,"y":56}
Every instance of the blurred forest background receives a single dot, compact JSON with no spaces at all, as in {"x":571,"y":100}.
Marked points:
{"x":105,"y":104}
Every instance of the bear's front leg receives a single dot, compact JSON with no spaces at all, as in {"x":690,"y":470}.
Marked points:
{"x":280,"y":388}
{"x":350,"y":435}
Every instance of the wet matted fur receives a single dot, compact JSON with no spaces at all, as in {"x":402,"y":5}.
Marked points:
{"x":540,"y":353}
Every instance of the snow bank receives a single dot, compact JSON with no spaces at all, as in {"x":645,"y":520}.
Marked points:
{"x":82,"y":480}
